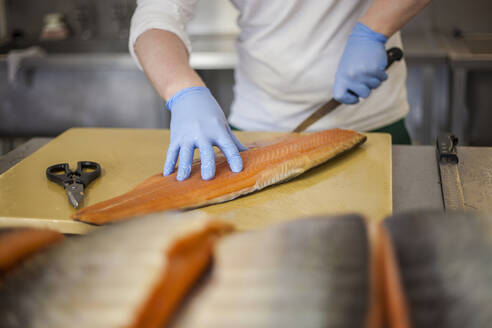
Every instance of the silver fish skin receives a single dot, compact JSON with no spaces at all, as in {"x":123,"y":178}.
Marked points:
{"x":309,"y":273}
{"x":98,"y":280}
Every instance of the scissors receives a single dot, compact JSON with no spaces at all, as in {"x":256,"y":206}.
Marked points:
{"x":74,"y":182}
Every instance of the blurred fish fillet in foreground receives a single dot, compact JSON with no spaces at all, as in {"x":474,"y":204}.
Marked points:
{"x":128,"y":275}
{"x":313,"y":272}
{"x":445,"y":267}
{"x":309,"y":273}
{"x":18,"y":244}
{"x":416,"y":270}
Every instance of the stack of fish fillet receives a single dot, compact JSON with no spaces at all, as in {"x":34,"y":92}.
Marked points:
{"x":415,"y":270}
{"x":310,"y":273}
{"x":131,"y":275}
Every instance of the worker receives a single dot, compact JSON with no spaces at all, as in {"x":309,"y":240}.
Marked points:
{"x":293,"y":56}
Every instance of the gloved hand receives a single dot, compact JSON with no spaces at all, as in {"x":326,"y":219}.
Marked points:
{"x":197,"y":121}
{"x":362,"y":66}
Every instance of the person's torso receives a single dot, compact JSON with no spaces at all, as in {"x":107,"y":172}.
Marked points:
{"x":288,"y":55}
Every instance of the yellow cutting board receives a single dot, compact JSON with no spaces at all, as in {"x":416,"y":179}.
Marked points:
{"x":359,"y":181}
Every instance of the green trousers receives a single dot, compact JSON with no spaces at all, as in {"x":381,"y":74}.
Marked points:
{"x":398,"y":131}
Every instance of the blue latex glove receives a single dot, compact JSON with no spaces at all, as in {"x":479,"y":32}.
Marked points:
{"x":197,"y":121}
{"x":362,"y":66}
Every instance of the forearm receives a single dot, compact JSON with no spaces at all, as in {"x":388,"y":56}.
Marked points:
{"x":164,"y":59}
{"x":389,"y":16}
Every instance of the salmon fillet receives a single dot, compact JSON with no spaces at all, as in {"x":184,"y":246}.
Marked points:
{"x":313,"y":272}
{"x":263,"y":166}
{"x":441,"y":268}
{"x":18,"y":244}
{"x":132,"y":274}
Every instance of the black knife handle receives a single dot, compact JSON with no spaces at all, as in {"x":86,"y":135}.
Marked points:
{"x":394,"y":54}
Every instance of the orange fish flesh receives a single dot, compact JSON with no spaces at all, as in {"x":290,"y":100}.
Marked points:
{"x":263,"y":166}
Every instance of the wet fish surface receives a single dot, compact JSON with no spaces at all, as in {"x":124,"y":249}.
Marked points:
{"x":445,"y":267}
{"x":18,"y":244}
{"x":312,"y":272}
{"x":131,"y":274}
{"x":263,"y":166}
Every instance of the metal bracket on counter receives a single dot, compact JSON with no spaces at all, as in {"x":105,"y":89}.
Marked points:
{"x":447,"y":161}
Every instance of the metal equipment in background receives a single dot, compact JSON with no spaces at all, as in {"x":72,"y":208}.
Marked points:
{"x":3,"y":23}
{"x":447,"y":160}
{"x":449,"y":54}
{"x":89,"y":79}
{"x":87,"y":20}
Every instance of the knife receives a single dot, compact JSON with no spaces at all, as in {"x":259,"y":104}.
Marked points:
{"x":394,"y":54}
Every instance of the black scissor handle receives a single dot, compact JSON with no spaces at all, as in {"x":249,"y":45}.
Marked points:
{"x":59,"y":173}
{"x":86,"y":172}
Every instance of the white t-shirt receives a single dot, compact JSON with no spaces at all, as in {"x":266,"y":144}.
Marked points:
{"x":288,"y":54}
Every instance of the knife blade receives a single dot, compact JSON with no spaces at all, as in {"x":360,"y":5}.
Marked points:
{"x":394,"y":54}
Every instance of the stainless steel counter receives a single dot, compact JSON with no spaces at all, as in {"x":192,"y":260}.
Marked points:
{"x":218,"y":52}
{"x":88,"y":88}
{"x":209,"y":52}
{"x":415,"y":175}
{"x":416,"y":182}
